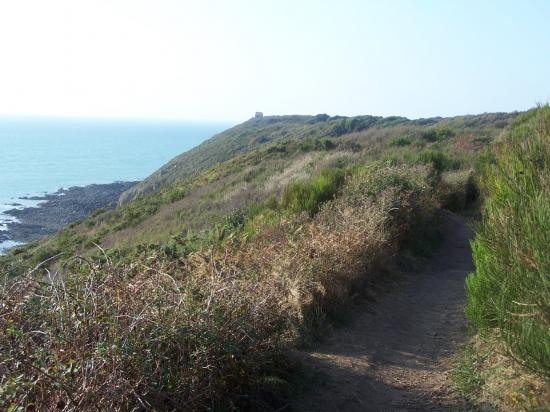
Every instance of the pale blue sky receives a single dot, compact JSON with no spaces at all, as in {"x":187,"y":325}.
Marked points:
{"x":223,"y":60}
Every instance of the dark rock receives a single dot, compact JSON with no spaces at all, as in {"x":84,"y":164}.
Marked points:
{"x":60,"y":209}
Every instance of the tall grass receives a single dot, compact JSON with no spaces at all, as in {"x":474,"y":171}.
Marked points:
{"x":510,"y":290}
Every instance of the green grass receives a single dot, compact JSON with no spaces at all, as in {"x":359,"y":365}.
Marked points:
{"x":468,"y":373}
{"x":308,"y":196}
{"x":510,"y":291}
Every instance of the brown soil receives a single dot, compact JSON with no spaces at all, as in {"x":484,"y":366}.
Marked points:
{"x":396,"y":356}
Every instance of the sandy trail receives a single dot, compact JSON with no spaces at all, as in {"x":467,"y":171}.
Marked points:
{"x":395,"y":357}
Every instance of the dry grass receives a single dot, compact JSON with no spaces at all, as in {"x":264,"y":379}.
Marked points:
{"x":487,"y":377}
{"x":164,"y":335}
{"x":300,"y":169}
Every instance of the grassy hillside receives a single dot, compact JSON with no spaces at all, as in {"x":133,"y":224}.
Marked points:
{"x":195,"y":192}
{"x":187,"y":296}
{"x":255,"y":133}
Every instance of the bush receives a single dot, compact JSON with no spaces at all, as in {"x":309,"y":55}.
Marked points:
{"x":352,"y":124}
{"x":43,"y":253}
{"x":510,"y":290}
{"x":320,"y":144}
{"x":439,"y":160}
{"x":400,"y":141}
{"x":308,"y":196}
{"x":483,"y":160}
{"x":438,"y":134}
{"x":158,"y":338}
{"x":324,"y":144}
{"x":416,"y":217}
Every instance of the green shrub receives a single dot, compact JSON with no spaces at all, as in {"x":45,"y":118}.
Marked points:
{"x":436,"y":135}
{"x":373,"y":179}
{"x":510,"y":291}
{"x":74,"y":224}
{"x":436,"y":158}
{"x":351,"y":125}
{"x":308,"y":196}
{"x":323,"y":144}
{"x":400,"y":141}
{"x":416,"y":218}
{"x":483,"y":160}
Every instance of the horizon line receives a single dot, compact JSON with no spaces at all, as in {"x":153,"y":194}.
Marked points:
{"x":144,"y":119}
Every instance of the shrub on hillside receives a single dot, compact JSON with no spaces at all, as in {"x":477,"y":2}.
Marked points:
{"x":437,"y":134}
{"x":351,"y":124}
{"x":437,"y":159}
{"x":308,"y":196}
{"x":400,"y":141}
{"x":510,"y":290}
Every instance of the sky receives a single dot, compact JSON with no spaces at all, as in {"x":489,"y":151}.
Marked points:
{"x":224,"y":60}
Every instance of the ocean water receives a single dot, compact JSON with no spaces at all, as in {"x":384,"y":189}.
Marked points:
{"x":40,"y":156}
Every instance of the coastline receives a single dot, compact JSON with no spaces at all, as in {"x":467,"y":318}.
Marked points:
{"x":54,"y":211}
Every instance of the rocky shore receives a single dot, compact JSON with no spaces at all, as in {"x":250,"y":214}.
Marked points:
{"x":57,"y":210}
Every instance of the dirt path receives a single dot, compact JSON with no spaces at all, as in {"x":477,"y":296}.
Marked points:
{"x":396,"y":358}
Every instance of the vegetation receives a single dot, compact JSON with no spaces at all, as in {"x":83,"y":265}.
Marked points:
{"x":510,"y":291}
{"x":486,"y":379}
{"x":262,"y":157}
{"x":200,"y":330}
{"x":254,"y":134}
{"x":186,"y":296}
{"x":308,"y":196}
{"x":458,"y":190}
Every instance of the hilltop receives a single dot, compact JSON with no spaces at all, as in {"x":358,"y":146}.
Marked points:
{"x":255,"y":133}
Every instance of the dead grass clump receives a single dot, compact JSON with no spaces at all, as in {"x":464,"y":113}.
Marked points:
{"x":485,"y":375}
{"x":161,"y":335}
{"x":300,"y":169}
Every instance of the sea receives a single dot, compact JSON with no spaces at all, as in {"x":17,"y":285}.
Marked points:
{"x":43,"y":155}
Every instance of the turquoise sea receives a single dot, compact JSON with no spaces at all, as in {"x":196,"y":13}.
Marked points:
{"x":40,"y":156}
